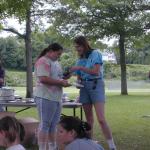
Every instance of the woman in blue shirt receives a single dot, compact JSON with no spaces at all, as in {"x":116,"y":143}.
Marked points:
{"x":89,"y":70}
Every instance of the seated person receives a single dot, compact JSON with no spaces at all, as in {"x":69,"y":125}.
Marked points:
{"x":11,"y":133}
{"x":74,"y":135}
{"x":2,"y":75}
{"x":2,"y":82}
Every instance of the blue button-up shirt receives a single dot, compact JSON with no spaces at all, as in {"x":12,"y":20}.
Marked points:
{"x":94,"y":58}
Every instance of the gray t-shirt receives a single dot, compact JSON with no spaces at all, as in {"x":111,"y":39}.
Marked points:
{"x":46,"y":67}
{"x":83,"y":144}
{"x":16,"y":147}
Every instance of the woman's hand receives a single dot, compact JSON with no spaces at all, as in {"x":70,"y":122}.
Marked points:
{"x":93,"y":71}
{"x":65,"y":83}
{"x":56,"y":82}
{"x":67,"y":76}
{"x":75,"y":68}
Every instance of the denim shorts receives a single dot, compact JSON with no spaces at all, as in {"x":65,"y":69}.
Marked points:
{"x":92,"y":92}
{"x":49,"y":114}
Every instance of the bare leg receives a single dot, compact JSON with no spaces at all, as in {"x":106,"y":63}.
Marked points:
{"x":100,"y":112}
{"x":89,"y":115}
{"x":99,"y":108}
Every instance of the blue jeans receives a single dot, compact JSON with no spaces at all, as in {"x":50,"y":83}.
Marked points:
{"x":49,"y":114}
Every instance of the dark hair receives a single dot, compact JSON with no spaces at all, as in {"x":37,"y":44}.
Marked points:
{"x":12,"y":128}
{"x":82,"y":41}
{"x":51,"y":47}
{"x":81,"y":128}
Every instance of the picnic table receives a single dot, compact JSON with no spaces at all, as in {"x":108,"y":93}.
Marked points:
{"x":27,"y":103}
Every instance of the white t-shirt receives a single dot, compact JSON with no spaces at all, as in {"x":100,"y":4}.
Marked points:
{"x":46,"y":67}
{"x":16,"y":147}
{"x":83,"y":144}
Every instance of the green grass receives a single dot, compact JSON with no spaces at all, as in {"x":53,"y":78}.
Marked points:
{"x":126,"y":116}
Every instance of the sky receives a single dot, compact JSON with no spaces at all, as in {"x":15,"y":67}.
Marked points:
{"x":11,"y":23}
{"x":14,"y":23}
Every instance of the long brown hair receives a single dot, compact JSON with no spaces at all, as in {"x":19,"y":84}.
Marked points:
{"x":82,"y":41}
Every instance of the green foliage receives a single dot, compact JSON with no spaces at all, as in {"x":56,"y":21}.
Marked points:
{"x":138,"y":51}
{"x":15,"y":78}
{"x":12,"y":53}
{"x":17,"y":8}
{"x":12,"y":50}
{"x":42,"y":40}
{"x":68,"y":59}
{"x":138,"y":72}
{"x":100,"y":18}
{"x":134,"y":72}
{"x":122,"y":19}
{"x":111,"y":71}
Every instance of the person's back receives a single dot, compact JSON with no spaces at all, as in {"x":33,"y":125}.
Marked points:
{"x":2,"y":75}
{"x":83,"y":144}
{"x":2,"y":82}
{"x":16,"y":147}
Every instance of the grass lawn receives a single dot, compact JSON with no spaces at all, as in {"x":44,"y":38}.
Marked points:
{"x":128,"y":117}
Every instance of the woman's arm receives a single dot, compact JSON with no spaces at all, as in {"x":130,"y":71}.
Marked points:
{"x":57,"y":82}
{"x":93,"y":71}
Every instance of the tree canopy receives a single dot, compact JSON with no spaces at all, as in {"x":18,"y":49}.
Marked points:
{"x":122,"y":19}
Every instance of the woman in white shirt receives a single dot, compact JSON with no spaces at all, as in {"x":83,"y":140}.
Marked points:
{"x":11,"y":133}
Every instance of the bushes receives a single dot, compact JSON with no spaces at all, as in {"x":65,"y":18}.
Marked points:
{"x":15,"y":78}
{"x":111,"y":71}
{"x":134,"y":72}
{"x":138,"y":72}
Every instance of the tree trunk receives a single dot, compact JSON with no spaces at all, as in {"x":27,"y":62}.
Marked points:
{"x":123,"y":65}
{"x":29,"y":89}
